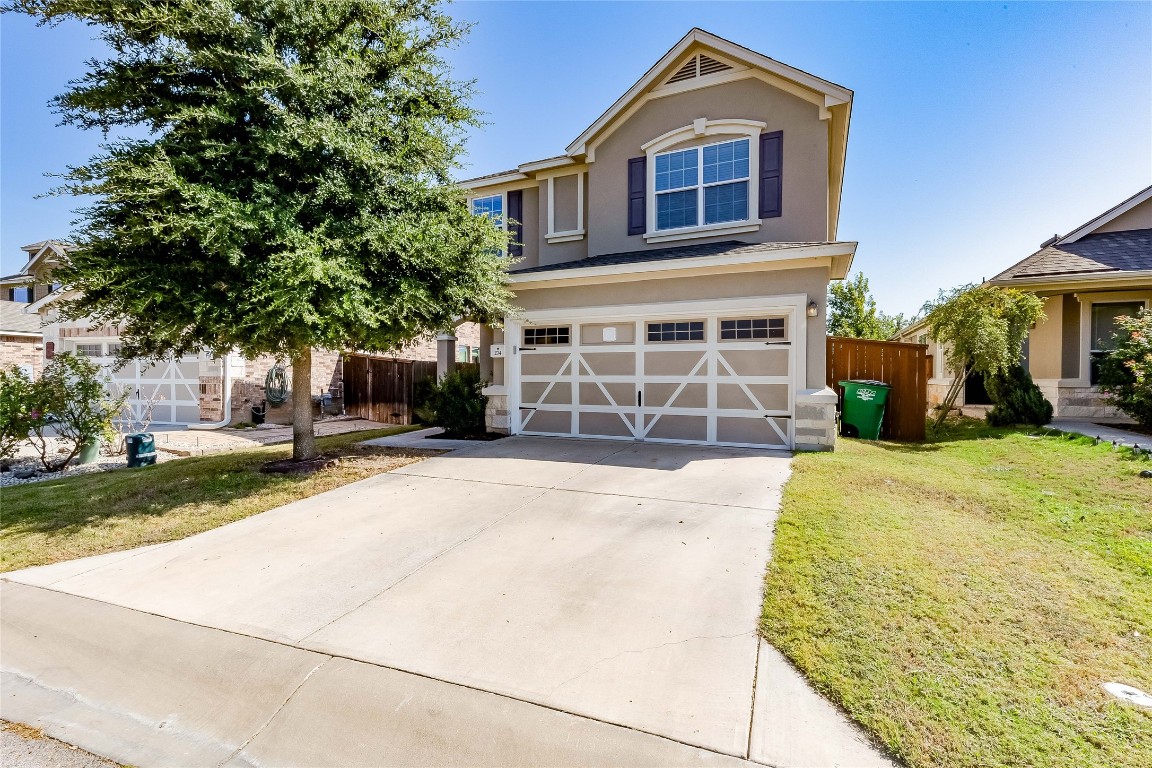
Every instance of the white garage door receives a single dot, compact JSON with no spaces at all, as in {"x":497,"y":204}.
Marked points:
{"x":672,"y":375}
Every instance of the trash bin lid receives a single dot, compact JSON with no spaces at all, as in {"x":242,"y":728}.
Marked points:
{"x":866,"y":382}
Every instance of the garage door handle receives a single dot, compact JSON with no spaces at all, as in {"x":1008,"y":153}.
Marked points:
{"x":639,"y":398}
{"x":777,"y":343}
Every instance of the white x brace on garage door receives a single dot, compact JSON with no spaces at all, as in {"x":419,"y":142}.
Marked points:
{"x":683,"y":372}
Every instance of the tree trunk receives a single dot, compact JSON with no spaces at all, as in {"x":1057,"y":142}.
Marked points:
{"x":303,"y":431}
{"x":954,"y":391}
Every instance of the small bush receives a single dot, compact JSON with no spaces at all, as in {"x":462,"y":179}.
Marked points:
{"x":74,"y":391}
{"x":1016,"y":399}
{"x":18,"y":412}
{"x":455,"y":403}
{"x":1126,"y":371}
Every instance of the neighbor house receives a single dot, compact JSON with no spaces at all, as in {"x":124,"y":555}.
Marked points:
{"x":675,"y":259}
{"x":195,"y":390}
{"x":1087,"y":278}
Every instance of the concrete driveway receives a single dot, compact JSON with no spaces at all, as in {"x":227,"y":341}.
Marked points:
{"x":525,"y":602}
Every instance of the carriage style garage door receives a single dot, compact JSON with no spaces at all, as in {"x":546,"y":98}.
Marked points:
{"x":674,"y":374}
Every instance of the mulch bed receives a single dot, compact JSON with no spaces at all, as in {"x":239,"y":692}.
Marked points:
{"x":294,"y":467}
{"x":484,"y":437}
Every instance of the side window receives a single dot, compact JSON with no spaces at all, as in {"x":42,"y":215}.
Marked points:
{"x":1103,"y":327}
{"x":491,"y":206}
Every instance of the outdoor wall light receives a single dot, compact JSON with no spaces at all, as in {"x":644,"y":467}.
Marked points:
{"x":813,"y":309}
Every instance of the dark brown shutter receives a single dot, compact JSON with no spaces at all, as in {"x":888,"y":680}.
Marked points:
{"x":516,"y":221}
{"x":771,"y":172}
{"x":637,"y":180}
{"x":49,"y":350}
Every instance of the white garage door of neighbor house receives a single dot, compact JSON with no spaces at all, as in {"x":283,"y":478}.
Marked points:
{"x":720,"y":378}
{"x":168,"y":391}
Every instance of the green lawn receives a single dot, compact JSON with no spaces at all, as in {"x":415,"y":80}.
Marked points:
{"x":55,"y":520}
{"x":964,"y":599}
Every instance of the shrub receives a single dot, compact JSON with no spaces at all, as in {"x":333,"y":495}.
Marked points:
{"x":1016,"y":399}
{"x":73,"y":390}
{"x":1126,"y":371}
{"x":18,"y":412}
{"x":456,"y":403}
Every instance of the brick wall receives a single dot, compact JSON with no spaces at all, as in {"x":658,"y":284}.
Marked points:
{"x":468,"y":334}
{"x":249,"y":389}
{"x":21,"y":350}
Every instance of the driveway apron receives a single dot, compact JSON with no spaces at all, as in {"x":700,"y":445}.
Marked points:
{"x":595,"y":590}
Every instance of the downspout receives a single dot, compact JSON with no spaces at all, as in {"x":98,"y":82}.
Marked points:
{"x":227,"y":391}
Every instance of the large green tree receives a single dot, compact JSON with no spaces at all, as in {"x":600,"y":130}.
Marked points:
{"x":852,"y":312}
{"x":291,"y":188}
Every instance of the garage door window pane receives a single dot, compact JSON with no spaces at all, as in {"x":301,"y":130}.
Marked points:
{"x":752,"y":328}
{"x":543,"y":336}
{"x":682,"y":331}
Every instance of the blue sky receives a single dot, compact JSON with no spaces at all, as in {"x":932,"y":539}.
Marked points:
{"x":978,"y":131}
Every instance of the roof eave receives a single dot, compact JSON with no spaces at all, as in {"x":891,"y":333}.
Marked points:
{"x":839,"y":254}
{"x":1064,"y":281}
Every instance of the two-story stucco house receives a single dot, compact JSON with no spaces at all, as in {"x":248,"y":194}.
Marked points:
{"x":674,"y":261}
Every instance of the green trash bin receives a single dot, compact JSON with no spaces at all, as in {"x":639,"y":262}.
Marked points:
{"x":141,"y":449}
{"x":863,"y":410}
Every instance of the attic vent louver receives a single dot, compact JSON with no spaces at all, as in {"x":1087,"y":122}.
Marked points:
{"x":709,"y":66}
{"x":698,"y":66}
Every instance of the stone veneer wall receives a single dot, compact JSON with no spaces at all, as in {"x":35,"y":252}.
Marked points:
{"x":816,"y":419}
{"x":1080,"y":403}
{"x":496,"y":415}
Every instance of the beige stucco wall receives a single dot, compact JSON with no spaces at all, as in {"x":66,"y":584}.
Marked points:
{"x":1045,"y":345}
{"x":1139,"y":217}
{"x":556,"y":253}
{"x":805,"y":182}
{"x":811,"y":282}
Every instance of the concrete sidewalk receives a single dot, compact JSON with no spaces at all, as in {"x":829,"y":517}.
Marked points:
{"x":528,"y":601}
{"x":1107,"y":433}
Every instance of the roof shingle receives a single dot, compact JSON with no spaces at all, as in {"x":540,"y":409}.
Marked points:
{"x":727,"y":247}
{"x":13,"y":319}
{"x":1097,"y":254}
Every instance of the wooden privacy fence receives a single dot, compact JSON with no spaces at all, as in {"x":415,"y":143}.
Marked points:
{"x":901,"y":366}
{"x":381,"y":389}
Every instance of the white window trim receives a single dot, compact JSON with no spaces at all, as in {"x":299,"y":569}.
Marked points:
{"x":732,"y":129}
{"x":503,"y":206}
{"x":567,"y":235}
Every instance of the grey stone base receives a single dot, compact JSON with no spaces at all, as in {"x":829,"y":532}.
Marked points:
{"x":496,"y":414}
{"x":816,"y":419}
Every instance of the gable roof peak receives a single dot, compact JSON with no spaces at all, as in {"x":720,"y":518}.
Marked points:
{"x":1114,"y":212}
